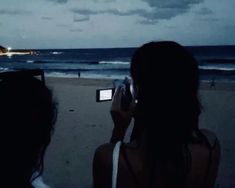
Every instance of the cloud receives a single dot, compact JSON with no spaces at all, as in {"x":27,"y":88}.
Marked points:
{"x":46,"y":18}
{"x":14,"y":12}
{"x":81,"y":19}
{"x":85,"y":11}
{"x":159,"y":9}
{"x":172,"y":4}
{"x":149,"y":17}
{"x":204,"y":11}
{"x":163,"y":9}
{"x":59,"y":1}
{"x":89,"y":12}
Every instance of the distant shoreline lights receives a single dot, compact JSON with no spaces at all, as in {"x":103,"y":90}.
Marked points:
{"x":10,"y":53}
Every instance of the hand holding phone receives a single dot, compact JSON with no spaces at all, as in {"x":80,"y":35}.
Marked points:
{"x":127,"y":96}
{"x":121,"y":117}
{"x":107,"y":94}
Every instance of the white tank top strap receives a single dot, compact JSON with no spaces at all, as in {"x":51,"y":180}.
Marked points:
{"x":116,"y":152}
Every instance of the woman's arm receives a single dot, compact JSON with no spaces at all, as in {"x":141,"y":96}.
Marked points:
{"x":121,"y":118}
{"x":118,"y":134}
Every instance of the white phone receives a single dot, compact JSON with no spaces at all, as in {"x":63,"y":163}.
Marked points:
{"x":103,"y":95}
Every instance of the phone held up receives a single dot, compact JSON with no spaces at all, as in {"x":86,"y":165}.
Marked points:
{"x":103,"y":95}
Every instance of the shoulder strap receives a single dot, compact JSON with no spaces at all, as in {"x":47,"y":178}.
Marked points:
{"x":116,"y":151}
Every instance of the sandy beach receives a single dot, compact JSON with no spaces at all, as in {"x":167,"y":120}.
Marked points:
{"x":83,"y":124}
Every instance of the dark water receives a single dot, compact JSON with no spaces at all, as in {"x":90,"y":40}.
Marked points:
{"x":214,"y":62}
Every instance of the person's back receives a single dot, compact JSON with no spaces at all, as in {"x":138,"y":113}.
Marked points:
{"x":167,"y":149}
{"x":27,"y":116}
{"x":133,"y":172}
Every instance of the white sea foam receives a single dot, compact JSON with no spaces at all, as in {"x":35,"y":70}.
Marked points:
{"x":101,"y":76}
{"x":30,"y":61}
{"x":61,"y":75}
{"x":115,"y":62}
{"x":56,"y":53}
{"x":217,"y":67}
{"x":83,"y":75}
{"x":3,"y":69}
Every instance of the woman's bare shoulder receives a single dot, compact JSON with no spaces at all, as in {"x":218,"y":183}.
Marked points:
{"x":102,"y":166}
{"x":205,"y":160}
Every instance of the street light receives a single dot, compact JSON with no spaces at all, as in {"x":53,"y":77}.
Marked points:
{"x":8,"y":49}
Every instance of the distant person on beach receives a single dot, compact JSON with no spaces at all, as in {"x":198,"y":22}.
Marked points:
{"x":79,"y":74}
{"x":166,"y":149}
{"x":27,"y":117}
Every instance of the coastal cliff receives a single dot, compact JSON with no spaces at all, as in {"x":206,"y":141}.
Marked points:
{"x":3,"y":49}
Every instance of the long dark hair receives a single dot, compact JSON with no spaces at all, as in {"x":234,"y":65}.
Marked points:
{"x":27,"y":117}
{"x":166,"y":78}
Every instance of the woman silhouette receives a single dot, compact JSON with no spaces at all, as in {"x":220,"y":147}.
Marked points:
{"x":167,"y":149}
{"x":27,"y":114}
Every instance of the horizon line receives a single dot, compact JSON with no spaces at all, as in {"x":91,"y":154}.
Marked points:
{"x":87,"y":48}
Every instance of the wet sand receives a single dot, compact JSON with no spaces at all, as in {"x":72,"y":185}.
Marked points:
{"x":83,"y":124}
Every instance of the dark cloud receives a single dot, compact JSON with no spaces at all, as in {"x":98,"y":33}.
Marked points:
{"x":14,"y":12}
{"x":59,"y":1}
{"x":81,"y":19}
{"x":139,"y":12}
{"x":46,"y":18}
{"x":88,"y":12}
{"x":160,"y":9}
{"x":163,"y":9}
{"x":204,"y":11}
{"x":175,"y":4}
{"x":75,"y":30}
{"x":148,"y":16}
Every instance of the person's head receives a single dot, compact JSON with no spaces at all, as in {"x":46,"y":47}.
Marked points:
{"x":165,"y":78}
{"x":27,"y":116}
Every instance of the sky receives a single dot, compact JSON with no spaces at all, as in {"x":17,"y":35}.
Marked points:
{"x":45,"y":24}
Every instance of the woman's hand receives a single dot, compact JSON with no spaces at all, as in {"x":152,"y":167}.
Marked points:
{"x":120,"y":117}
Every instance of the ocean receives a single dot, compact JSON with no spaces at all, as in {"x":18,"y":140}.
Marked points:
{"x":215,"y":62}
